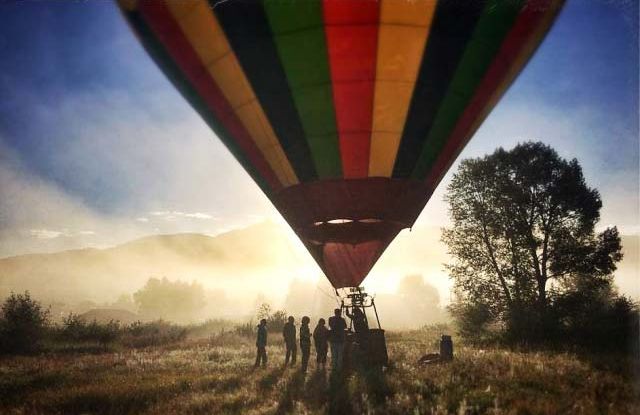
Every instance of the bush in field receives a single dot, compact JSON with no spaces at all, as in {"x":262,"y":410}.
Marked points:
{"x":597,"y":318}
{"x":275,"y":319}
{"x":209,"y":328}
{"x":264,"y":311}
{"x":246,"y":329}
{"x":73,"y":328}
{"x":76,"y":329}
{"x":474,"y":321}
{"x":105,"y":334}
{"x":154,"y":333}
{"x":23,"y":324}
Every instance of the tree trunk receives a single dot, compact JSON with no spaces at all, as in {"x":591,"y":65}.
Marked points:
{"x":503,"y":282}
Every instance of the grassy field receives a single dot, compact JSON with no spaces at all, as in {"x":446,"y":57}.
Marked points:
{"x":215,"y":375}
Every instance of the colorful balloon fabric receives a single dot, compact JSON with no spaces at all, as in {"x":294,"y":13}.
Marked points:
{"x":346,"y":113}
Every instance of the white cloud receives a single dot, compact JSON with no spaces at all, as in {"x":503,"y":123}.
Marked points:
{"x":121,"y":157}
{"x":45,"y":233}
{"x":36,"y":215}
{"x":171,"y":215}
{"x":198,"y":215}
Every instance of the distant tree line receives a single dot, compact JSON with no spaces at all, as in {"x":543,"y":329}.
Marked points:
{"x":528,"y":265}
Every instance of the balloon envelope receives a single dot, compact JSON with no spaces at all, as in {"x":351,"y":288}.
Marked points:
{"x":346,"y":113}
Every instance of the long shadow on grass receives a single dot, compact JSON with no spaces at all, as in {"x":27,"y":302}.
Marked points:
{"x":346,"y":393}
{"x":292,"y":392}
{"x":316,"y":389}
{"x":378,"y":389}
{"x":339,"y":399}
{"x":221,"y":383}
{"x":270,"y":380}
{"x":317,"y":393}
{"x":14,"y":389}
{"x":104,"y":402}
{"x":333,"y":394}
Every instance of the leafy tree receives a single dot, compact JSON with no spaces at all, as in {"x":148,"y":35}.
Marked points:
{"x":264,"y":311}
{"x":523,"y":235}
{"x":275,"y":319}
{"x":23,"y":324}
{"x":171,"y":300}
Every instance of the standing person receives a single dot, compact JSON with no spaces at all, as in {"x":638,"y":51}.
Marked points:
{"x":359,"y":319}
{"x":360,"y":326}
{"x":305,"y":342}
{"x":289,"y":335}
{"x":261,"y":344}
{"x":320,"y":339}
{"x":337,"y":338}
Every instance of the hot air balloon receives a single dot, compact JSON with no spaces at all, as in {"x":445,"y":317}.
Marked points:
{"x":347,"y":114}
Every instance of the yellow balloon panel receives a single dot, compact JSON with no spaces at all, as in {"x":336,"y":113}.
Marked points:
{"x":207,"y":38}
{"x":390,"y":95}
{"x":402,"y":37}
{"x":383,"y":144}
{"x":407,"y":12}
{"x":254,"y":119}
{"x":201,"y":28}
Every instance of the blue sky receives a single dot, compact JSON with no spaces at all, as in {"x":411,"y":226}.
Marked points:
{"x":96,"y":147}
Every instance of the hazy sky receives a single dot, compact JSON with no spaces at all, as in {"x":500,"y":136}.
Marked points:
{"x":96,"y":146}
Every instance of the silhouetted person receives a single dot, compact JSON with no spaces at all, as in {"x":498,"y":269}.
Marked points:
{"x":360,"y":324}
{"x":305,"y":342}
{"x":289,"y":335}
{"x":321,"y":339}
{"x":261,"y":344}
{"x":337,"y":338}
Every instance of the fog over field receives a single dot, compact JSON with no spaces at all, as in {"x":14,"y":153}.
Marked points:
{"x":238,"y":270}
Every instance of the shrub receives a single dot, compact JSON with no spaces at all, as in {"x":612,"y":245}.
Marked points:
{"x":73,"y":328}
{"x":233,"y":337}
{"x":276,"y":321}
{"x":245,"y":330}
{"x":598,"y":323}
{"x":23,"y":324}
{"x":154,"y":333}
{"x":76,"y":329}
{"x":209,"y":328}
{"x":474,"y":321}
{"x":104,"y":334}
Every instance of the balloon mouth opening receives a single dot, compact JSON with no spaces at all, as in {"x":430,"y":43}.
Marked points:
{"x":348,"y":231}
{"x":340,"y":221}
{"x":351,"y":211}
{"x":346,"y":224}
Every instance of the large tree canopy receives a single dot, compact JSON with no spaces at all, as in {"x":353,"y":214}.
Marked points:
{"x":524,"y":233}
{"x":171,"y":300}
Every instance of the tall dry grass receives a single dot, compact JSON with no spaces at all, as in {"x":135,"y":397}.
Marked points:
{"x":212,"y":376}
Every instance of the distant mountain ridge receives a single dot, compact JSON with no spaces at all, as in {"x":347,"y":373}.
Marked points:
{"x":89,"y":273}
{"x":225,"y":259}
